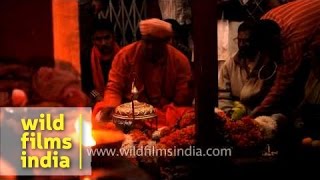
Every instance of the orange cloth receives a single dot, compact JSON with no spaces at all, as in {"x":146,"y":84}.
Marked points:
{"x":97,"y":73}
{"x":158,"y":84}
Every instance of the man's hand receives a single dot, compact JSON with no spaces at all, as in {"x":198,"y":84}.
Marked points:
{"x":97,"y":108}
{"x":100,"y":115}
{"x":258,"y":112}
{"x":105,"y":114}
{"x":253,"y":113}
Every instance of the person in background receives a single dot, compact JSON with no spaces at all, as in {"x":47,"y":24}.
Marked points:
{"x":299,"y":22}
{"x":95,"y":69}
{"x":161,"y":73}
{"x":177,"y":40}
{"x":234,"y":72}
{"x":248,"y":77}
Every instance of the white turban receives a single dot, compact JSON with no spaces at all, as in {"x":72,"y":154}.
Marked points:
{"x":155,"y":28}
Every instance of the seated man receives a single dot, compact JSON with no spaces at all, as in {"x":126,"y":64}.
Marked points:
{"x":96,"y":67}
{"x":249,"y":75}
{"x":161,"y":73}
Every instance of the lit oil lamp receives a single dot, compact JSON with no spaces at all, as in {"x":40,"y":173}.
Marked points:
{"x":99,"y":140}
{"x":86,"y":132}
{"x":97,"y":137}
{"x":135,"y":114}
{"x":134,"y":92}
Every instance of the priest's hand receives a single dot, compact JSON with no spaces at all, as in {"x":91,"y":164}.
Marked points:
{"x":101,"y":112}
{"x":97,"y":108}
{"x":105,"y":114}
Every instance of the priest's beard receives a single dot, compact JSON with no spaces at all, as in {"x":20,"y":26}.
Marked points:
{"x":154,"y":57}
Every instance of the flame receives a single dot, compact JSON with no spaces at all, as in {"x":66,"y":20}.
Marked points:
{"x":87,"y":139}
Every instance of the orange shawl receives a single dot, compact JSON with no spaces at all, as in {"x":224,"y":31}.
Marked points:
{"x":97,"y":73}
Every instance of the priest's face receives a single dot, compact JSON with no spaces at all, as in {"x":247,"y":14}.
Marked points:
{"x":154,"y":49}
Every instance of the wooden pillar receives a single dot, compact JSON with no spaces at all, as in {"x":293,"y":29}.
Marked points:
{"x":66,"y":32}
{"x":204,"y":33}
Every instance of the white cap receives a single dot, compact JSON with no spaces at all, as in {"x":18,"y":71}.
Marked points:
{"x":155,"y":28}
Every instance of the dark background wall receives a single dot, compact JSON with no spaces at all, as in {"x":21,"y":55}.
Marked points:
{"x":26,"y":30}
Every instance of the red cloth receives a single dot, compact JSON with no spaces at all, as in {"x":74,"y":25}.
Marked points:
{"x":299,"y":22}
{"x":97,"y":73}
{"x":170,"y":115}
